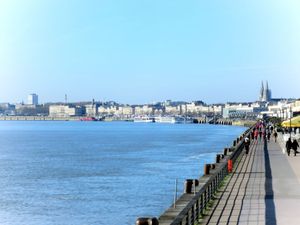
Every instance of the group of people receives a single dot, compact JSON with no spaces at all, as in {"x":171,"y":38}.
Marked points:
{"x":292,"y":145}
{"x":265,"y":131}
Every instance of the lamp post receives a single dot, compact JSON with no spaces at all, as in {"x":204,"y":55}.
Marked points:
{"x":290,"y":122}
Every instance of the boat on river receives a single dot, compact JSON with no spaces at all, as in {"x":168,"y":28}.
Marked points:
{"x":89,"y":119}
{"x":144,"y":119}
{"x":170,"y":119}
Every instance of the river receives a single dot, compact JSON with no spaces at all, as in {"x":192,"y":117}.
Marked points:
{"x":96,"y":173}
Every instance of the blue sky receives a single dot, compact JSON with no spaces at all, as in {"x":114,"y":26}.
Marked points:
{"x":142,"y":51}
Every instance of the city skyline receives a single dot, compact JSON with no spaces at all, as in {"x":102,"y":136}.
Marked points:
{"x":139,"y":52}
{"x":263,"y":95}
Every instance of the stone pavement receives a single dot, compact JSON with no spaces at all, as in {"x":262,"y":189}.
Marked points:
{"x":263,"y":189}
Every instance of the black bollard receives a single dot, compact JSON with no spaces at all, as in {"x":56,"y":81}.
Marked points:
{"x":147,"y":221}
{"x":218,"y":158}
{"x":206,"y":169}
{"x":234,"y":143}
{"x":225,"y":151}
{"x":188,"y":186}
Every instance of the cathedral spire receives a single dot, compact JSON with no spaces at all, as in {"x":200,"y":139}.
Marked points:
{"x":262,"y":90}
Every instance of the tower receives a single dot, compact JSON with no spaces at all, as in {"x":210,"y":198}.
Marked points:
{"x":268,"y":93}
{"x":261,"y":96}
{"x":265,"y":93}
{"x":33,"y":99}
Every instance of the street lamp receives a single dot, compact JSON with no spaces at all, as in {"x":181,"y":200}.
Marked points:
{"x":290,"y":122}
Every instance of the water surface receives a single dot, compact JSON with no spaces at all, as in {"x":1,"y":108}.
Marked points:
{"x":74,"y":173}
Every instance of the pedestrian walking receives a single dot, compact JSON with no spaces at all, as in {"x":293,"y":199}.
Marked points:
{"x":252,"y":134}
{"x":256,"y":134}
{"x":295,"y":146}
{"x":260,"y":134}
{"x":247,"y":145}
{"x":275,"y":136}
{"x":288,"y":146}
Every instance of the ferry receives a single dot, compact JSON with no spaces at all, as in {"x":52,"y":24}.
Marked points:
{"x":169,"y":119}
{"x":143,"y":120}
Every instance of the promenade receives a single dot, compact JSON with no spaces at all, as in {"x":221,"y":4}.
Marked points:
{"x":264,"y":188}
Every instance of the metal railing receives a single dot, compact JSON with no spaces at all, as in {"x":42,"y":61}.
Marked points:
{"x":203,"y":193}
{"x":199,"y":203}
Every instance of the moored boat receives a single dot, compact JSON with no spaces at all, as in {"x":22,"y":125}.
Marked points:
{"x":143,"y":120}
{"x":88,"y":119}
{"x":171,"y":119}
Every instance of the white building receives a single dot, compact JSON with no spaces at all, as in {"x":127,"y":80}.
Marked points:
{"x":173,"y":110}
{"x":143,"y":110}
{"x":125,"y":110}
{"x":104,"y":110}
{"x":33,"y":99}
{"x":91,"y":110}
{"x":242,"y":110}
{"x":64,"y":111}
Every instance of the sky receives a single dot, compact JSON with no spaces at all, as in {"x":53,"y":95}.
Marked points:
{"x":143,"y":51}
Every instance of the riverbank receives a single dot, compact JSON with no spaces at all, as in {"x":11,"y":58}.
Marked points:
{"x":38,"y":118}
{"x":245,"y":123}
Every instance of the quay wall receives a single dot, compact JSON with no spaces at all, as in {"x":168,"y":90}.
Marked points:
{"x":38,"y":118}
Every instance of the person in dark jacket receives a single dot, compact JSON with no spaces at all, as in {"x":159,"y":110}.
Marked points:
{"x":295,"y":146}
{"x":275,"y":136}
{"x":252,"y":134}
{"x":247,"y":144}
{"x":260,"y":133}
{"x":288,"y":146}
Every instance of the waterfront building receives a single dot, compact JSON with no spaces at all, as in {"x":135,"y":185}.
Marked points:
{"x":102,"y":110}
{"x":23,"y":106}
{"x":125,"y":110}
{"x":33,"y":99}
{"x":173,"y":110}
{"x":91,"y":110}
{"x":107,"y":109}
{"x":7,"y":109}
{"x":65,"y":111}
{"x":283,"y":109}
{"x":296,"y":108}
{"x":195,"y":109}
{"x":243,"y":110}
{"x":143,"y":110}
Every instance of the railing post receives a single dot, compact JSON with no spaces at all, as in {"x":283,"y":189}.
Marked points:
{"x":202,"y":204}
{"x":197,"y":209}
{"x":192,"y":217}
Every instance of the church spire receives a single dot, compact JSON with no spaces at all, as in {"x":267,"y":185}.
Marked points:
{"x":262,"y":90}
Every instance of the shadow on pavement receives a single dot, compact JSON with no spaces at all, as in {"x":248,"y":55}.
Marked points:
{"x":270,"y":213}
